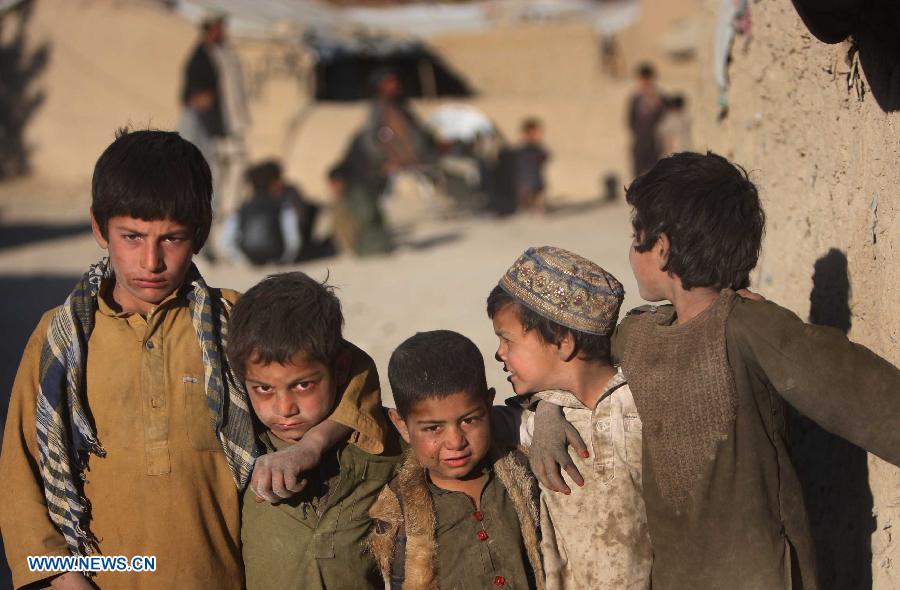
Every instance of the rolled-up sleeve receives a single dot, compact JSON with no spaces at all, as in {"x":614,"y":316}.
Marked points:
{"x":359,"y":407}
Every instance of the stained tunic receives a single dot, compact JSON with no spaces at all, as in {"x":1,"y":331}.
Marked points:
{"x":742,"y":523}
{"x":597,"y":536}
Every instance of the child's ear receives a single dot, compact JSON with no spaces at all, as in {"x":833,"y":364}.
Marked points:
{"x":399,"y":423}
{"x":491,"y":394}
{"x":98,"y":235}
{"x":661,"y":249}
{"x":566,"y":346}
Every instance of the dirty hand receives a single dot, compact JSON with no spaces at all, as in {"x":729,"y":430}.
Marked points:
{"x":276,"y":476}
{"x":549,"y":448}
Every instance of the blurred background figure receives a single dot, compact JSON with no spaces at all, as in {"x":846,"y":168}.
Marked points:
{"x":611,"y":58}
{"x":393,"y":137}
{"x":675,"y":128}
{"x":215,"y":114}
{"x":276,"y":224}
{"x":530,"y":158}
{"x":357,"y":183}
{"x":645,"y":111}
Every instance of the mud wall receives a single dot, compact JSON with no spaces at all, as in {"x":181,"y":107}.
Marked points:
{"x":802,"y":118}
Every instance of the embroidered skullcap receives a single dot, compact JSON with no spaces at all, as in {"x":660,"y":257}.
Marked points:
{"x":565,"y":288}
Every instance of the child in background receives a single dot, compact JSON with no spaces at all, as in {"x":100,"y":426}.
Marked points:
{"x":531,"y":156}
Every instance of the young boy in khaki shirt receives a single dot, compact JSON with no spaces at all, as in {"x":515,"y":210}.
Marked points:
{"x":127,"y":432}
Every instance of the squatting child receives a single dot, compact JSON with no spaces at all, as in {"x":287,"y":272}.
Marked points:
{"x":285,"y":344}
{"x":712,"y":375}
{"x":462,"y":511}
{"x":125,"y":416}
{"x":554,"y":312}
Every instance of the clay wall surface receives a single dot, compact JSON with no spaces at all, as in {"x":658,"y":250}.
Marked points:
{"x":803,"y":120}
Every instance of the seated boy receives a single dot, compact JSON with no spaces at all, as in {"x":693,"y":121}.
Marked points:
{"x":461,"y":512}
{"x":285,"y":344}
{"x":127,"y":432}
{"x":554,"y":312}
{"x":711,"y":376}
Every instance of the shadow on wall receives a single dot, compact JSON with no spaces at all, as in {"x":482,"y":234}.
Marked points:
{"x":834,"y":473}
{"x":20,"y":67}
{"x":24,"y":300}
{"x":873,"y":26}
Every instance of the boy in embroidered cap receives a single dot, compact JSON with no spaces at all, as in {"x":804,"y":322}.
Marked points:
{"x":553,"y":312}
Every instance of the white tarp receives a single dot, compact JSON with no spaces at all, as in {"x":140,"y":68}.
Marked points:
{"x":264,"y":18}
{"x":459,"y":122}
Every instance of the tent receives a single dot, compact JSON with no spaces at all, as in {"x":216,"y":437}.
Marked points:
{"x":344,"y":65}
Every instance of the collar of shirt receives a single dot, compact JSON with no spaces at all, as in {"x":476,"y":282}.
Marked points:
{"x":567,"y":399}
{"x":484,"y":469}
{"x":106,"y":288}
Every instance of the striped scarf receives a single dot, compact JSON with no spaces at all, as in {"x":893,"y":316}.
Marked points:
{"x":66,"y":435}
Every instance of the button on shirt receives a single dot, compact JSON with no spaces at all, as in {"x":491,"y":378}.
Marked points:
{"x":480,"y":548}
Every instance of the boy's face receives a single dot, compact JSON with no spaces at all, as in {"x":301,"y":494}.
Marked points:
{"x":150,"y":259}
{"x":450,"y":435}
{"x":530,"y":362}
{"x":647,"y":268}
{"x":534,"y":135}
{"x":292,"y":398}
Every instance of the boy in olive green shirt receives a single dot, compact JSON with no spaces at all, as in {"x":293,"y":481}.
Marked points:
{"x":286,"y":346}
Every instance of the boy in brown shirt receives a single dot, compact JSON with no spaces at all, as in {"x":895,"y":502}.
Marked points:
{"x":131,"y":369}
{"x":712,"y":375}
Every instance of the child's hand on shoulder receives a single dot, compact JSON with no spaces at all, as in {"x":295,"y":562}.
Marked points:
{"x":553,"y":435}
{"x":276,"y":476}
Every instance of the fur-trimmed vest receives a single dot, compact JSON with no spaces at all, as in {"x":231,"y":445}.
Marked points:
{"x":405,"y":510}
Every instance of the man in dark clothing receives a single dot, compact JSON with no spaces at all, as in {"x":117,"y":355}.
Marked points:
{"x":201,"y":78}
{"x":645,"y":111}
{"x":216,"y":117}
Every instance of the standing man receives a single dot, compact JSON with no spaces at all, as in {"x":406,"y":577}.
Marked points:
{"x":214,"y":94}
{"x":645,"y":111}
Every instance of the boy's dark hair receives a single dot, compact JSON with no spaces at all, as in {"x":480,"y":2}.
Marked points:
{"x":153,"y":175}
{"x":263,"y":175}
{"x":282,"y":315}
{"x":530,"y":124}
{"x":435,"y":364}
{"x":589,"y":347}
{"x":711,"y":213}
{"x":646,"y":71}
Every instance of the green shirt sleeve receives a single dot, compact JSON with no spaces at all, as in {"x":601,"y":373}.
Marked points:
{"x":844,"y":387}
